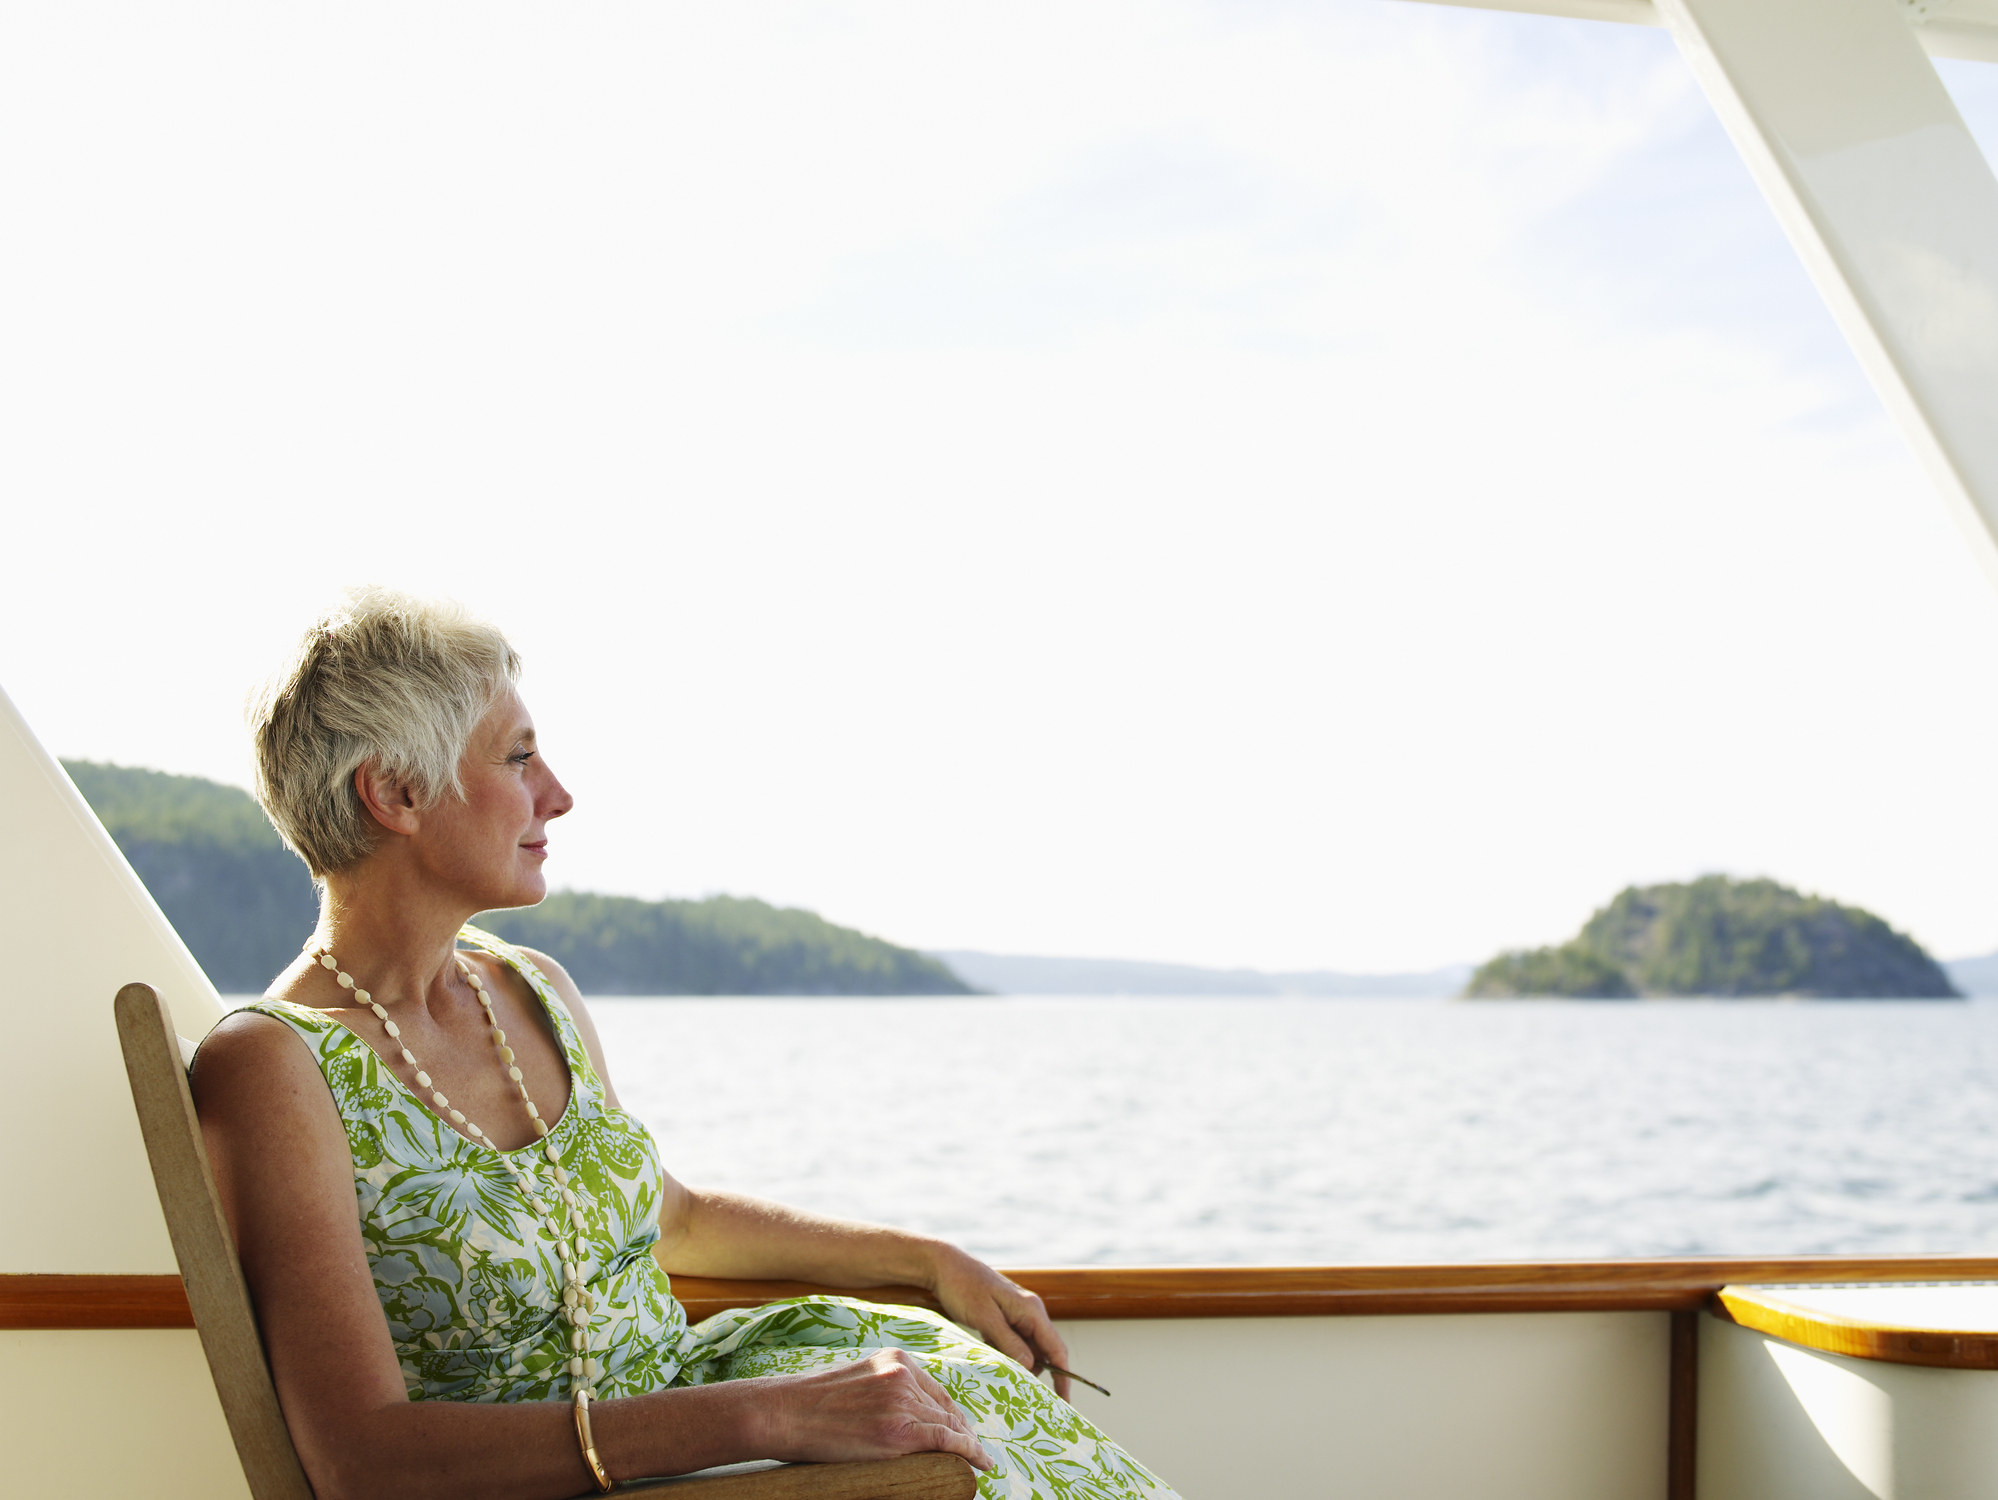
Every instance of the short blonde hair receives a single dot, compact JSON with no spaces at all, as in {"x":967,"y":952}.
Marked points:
{"x":384,"y":677}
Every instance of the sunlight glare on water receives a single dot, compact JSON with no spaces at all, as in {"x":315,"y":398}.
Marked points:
{"x":1046,"y":1132}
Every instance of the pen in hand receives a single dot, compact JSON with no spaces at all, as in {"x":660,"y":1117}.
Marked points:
{"x":1084,"y":1379}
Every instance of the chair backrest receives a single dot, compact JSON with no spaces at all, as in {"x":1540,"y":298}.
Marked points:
{"x":154,"y":1062}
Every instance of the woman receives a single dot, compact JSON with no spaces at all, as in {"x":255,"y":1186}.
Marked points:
{"x":493,"y":1321}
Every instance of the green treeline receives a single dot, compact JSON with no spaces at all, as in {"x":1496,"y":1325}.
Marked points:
{"x":244,"y":905}
{"x":240,"y":900}
{"x":725,"y":945}
{"x":1726,"y":938}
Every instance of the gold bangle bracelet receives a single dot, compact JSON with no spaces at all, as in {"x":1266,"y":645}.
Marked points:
{"x":587,"y":1441}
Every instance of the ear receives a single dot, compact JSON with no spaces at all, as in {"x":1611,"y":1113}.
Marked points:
{"x":388,"y":801}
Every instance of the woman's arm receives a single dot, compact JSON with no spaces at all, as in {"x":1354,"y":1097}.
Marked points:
{"x":285,"y":1174}
{"x":707,"y":1233}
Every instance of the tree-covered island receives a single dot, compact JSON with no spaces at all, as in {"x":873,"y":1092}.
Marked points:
{"x":244,"y":905}
{"x":1724,"y":938}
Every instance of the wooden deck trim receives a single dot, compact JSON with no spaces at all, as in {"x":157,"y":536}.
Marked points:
{"x":93,"y":1302}
{"x":1091,"y":1292}
{"x":1675,"y":1285}
{"x":704,"y":1296}
{"x":1769,"y":1312}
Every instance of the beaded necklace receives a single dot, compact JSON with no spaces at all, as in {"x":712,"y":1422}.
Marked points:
{"x":577,"y":1301}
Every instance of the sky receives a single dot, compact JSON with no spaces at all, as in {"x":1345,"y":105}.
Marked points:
{"x":1346,"y":485}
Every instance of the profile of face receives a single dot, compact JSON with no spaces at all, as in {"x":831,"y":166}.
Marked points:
{"x":488,"y":849}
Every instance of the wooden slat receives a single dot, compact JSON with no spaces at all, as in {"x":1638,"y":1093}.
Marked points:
{"x":203,"y":1246}
{"x":1940,"y":1348}
{"x":919,"y":1476}
{"x":1079,"y":1294}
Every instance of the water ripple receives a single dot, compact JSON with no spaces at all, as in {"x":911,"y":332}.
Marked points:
{"x":1242,"y":1131}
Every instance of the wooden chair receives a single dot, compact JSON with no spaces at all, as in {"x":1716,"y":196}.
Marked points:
{"x":156,"y":1063}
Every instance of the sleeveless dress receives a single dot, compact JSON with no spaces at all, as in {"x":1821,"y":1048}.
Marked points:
{"x":468,"y":1277}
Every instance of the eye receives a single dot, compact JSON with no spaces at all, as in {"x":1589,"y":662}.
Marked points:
{"x":521,"y":757}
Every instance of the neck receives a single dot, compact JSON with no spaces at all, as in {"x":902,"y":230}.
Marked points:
{"x":397,"y":944}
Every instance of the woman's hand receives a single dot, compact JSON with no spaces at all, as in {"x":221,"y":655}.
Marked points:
{"x":880,"y":1407}
{"x":1008,"y":1317}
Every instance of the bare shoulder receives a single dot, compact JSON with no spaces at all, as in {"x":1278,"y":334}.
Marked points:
{"x":248,"y":1048}
{"x":275,"y":1137}
{"x":254,"y":1075}
{"x":555,"y":974}
{"x":558,"y":978}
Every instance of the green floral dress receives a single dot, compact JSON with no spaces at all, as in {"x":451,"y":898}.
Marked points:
{"x":468,"y":1277}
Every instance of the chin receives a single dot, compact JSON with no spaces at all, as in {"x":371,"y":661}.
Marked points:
{"x":527,"y":891}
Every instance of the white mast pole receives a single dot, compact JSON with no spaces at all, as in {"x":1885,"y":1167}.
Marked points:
{"x":1889,"y":201}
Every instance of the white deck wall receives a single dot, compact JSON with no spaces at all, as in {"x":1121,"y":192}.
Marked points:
{"x":1514,"y":1406}
{"x":112,"y":1415}
{"x":1497,"y":1406}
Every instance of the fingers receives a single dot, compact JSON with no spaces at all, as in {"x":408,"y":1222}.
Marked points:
{"x":963,"y":1443}
{"x":928,"y":1383}
{"x":1009,"y":1343}
{"x":950,"y":1417}
{"x":1030,"y":1319}
{"x":1038,"y":1329}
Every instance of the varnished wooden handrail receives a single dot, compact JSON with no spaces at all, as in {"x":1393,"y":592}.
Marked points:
{"x":1675,"y":1285}
{"x":704,"y":1296}
{"x":915,"y":1476}
{"x":1090,"y":1292}
{"x":93,"y":1302}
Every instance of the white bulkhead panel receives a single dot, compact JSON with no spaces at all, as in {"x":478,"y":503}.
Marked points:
{"x":1441,"y":1406}
{"x":112,"y":1414}
{"x":75,"y":924}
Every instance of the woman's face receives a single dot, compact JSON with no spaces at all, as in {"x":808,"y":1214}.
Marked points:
{"x":491,"y":847}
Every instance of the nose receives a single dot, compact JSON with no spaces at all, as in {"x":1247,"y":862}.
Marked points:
{"x":554,"y":799}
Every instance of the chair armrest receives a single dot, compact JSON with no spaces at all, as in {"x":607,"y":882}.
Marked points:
{"x":915,"y":1476}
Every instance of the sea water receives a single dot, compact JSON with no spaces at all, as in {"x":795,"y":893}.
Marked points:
{"x":1097,"y":1131}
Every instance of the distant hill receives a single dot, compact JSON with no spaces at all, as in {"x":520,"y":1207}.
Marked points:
{"x":1730,"y":939}
{"x":725,"y":945}
{"x":1020,"y":974}
{"x":241,"y":900}
{"x":244,"y":905}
